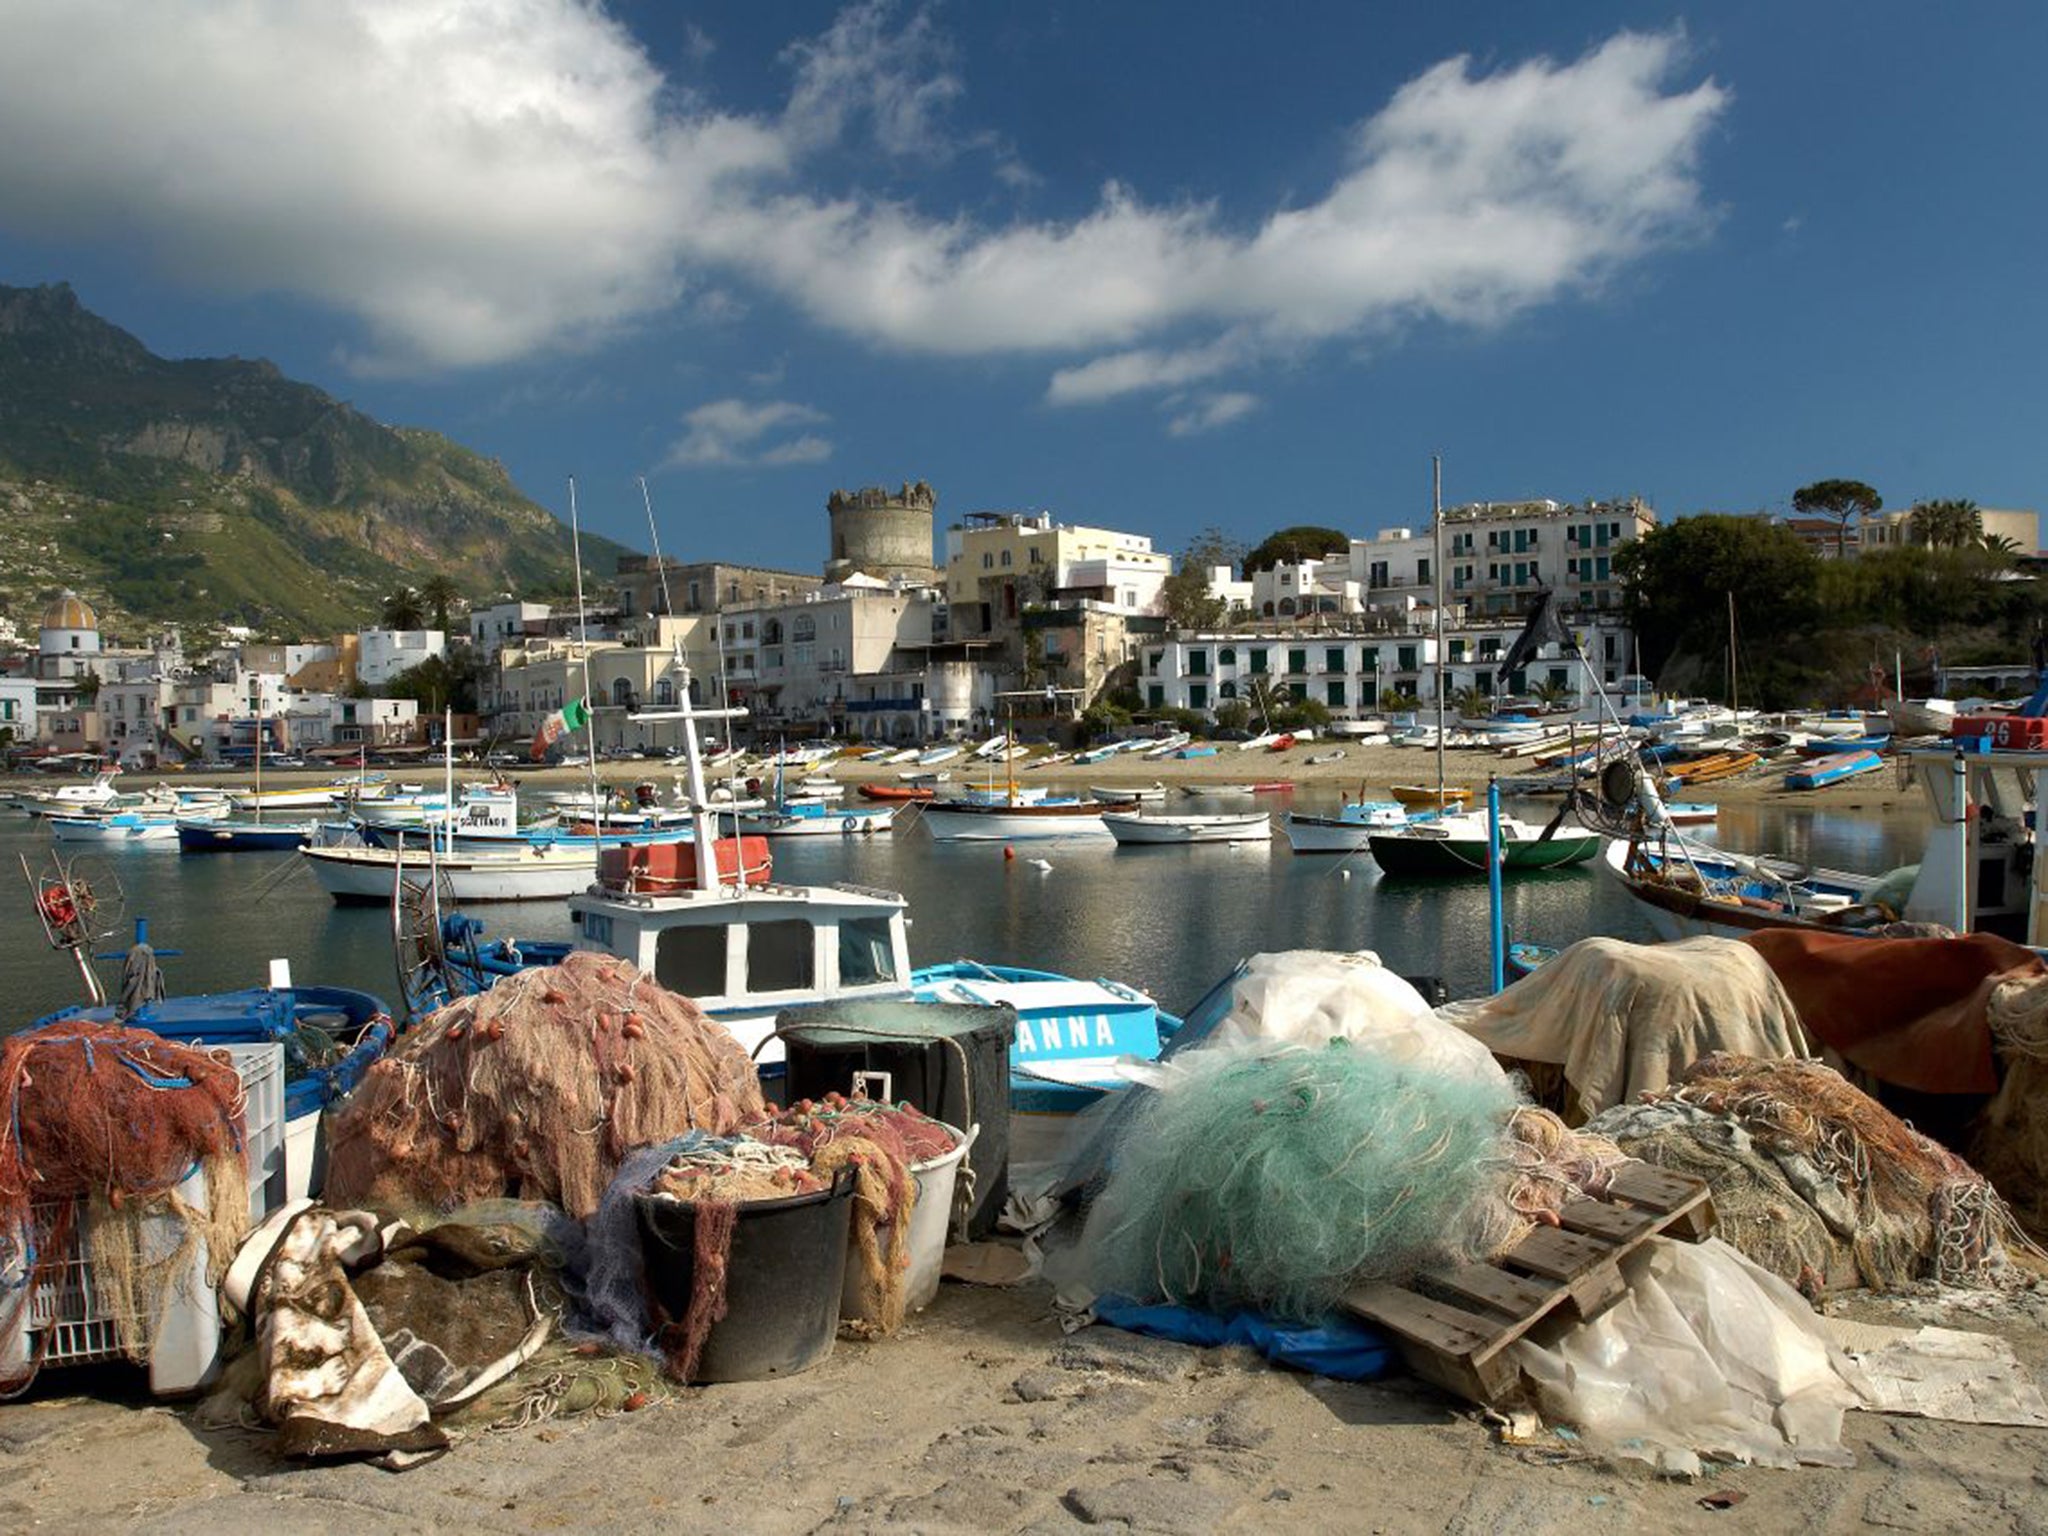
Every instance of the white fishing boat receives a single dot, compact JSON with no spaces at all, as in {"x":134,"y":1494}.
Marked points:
{"x":69,"y":799}
{"x":539,"y":872}
{"x":122,"y":829}
{"x":1348,"y":831}
{"x":1129,"y":794}
{"x":316,"y":797}
{"x":1155,"y":827}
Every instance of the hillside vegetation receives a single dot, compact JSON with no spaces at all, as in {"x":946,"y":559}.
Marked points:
{"x":217,"y":490}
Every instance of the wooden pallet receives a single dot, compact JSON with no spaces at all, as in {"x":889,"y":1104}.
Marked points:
{"x":1454,"y":1326}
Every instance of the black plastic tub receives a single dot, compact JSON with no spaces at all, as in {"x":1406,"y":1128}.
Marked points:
{"x":782,"y":1279}
{"x":827,"y":1043}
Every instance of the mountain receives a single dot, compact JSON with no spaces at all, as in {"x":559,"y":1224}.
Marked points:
{"x":217,"y":490}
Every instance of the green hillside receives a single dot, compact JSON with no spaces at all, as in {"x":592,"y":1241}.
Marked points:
{"x":217,"y":490}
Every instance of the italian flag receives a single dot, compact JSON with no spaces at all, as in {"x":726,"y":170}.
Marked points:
{"x":572,"y":716}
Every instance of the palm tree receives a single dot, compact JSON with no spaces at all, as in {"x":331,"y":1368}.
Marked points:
{"x":1946,"y":524}
{"x":404,"y":609}
{"x":1550,"y":694}
{"x":437,"y":592}
{"x":1471,"y":702}
{"x":2004,"y":552}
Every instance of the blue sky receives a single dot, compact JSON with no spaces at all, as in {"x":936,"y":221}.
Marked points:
{"x":1153,"y":266}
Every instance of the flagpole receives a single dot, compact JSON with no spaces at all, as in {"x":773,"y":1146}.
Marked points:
{"x":1436,"y":465}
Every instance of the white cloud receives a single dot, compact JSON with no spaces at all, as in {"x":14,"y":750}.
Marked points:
{"x":478,"y":182}
{"x":734,"y":433}
{"x":1205,"y":413}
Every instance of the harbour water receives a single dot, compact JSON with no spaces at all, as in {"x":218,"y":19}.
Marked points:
{"x":1169,"y":920}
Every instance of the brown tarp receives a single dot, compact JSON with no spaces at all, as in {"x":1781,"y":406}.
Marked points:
{"x":1908,"y":1011}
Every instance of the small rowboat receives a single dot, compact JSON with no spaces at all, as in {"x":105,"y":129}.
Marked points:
{"x":896,"y":792}
{"x":1428,"y":797}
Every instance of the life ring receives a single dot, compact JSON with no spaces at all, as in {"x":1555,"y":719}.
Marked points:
{"x":851,"y":824}
{"x":58,"y":907}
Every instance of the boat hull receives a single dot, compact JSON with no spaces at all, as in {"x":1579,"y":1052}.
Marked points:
{"x":363,"y":876}
{"x":239,"y":837}
{"x":1676,"y":912}
{"x":1406,"y":854}
{"x":1428,"y":797}
{"x":856,"y":821}
{"x":1157,"y":830}
{"x":1011,"y":823}
{"x":115,"y":831}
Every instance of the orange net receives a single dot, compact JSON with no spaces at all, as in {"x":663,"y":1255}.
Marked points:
{"x":537,"y":1089}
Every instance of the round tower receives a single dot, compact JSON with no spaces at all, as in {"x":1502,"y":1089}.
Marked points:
{"x":70,"y":632}
{"x":882,"y":535}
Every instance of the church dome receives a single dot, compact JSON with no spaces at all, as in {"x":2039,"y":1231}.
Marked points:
{"x":68,"y":610}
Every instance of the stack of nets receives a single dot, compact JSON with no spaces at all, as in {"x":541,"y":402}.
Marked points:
{"x":537,"y":1089}
{"x":2009,"y":1142}
{"x":1815,"y":1180}
{"x":881,"y":1143}
{"x":103,"y":1123}
{"x":1553,"y":1165}
{"x":1278,"y":1178}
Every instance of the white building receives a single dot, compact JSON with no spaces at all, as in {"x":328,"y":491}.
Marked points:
{"x":366,"y":722}
{"x":998,"y":563}
{"x":1349,"y":673}
{"x":18,"y":709}
{"x":384,"y":653}
{"x":809,"y":660}
{"x":491,"y":628}
{"x":1298,"y":588}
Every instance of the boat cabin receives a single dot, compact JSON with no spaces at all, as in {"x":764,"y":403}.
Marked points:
{"x":1980,"y":855}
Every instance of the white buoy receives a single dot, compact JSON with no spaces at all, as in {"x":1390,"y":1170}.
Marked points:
{"x":1043,"y":866}
{"x":1345,"y":873}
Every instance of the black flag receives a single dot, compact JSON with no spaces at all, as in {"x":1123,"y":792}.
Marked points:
{"x":1541,"y":629}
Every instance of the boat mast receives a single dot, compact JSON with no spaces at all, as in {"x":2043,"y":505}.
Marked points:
{"x":1734,"y":686}
{"x":589,"y":703}
{"x":1436,"y":466}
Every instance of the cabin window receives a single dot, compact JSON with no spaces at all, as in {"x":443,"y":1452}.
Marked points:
{"x":865,"y":954}
{"x":780,"y":956}
{"x":691,"y":960}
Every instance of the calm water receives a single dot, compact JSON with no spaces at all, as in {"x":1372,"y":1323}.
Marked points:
{"x":1169,"y":920}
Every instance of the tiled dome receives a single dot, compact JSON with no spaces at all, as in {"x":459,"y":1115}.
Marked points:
{"x":68,"y":610}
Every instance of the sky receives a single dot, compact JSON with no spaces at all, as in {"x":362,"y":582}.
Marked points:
{"x":1159,"y":267}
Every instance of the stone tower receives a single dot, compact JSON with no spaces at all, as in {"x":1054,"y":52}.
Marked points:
{"x":882,"y":535}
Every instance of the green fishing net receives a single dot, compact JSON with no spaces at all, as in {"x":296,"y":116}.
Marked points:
{"x":1280,"y":1177}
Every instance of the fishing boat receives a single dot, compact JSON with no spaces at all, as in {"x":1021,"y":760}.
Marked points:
{"x":232,"y":835}
{"x":817,"y":818}
{"x":123,"y":829}
{"x":889,"y":794}
{"x":1833,"y":746}
{"x":1432,"y":797}
{"x":1687,"y":889}
{"x":364,"y":876}
{"x":1710,"y":768}
{"x":1920,"y":717}
{"x":974,"y":819}
{"x":306,"y":798}
{"x":1345,"y":832}
{"x":69,"y":799}
{"x":1155,"y":827}
{"x":1458,"y":846}
{"x":1129,"y":794}
{"x":1834,"y":769}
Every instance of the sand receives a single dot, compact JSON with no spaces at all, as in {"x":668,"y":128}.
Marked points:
{"x":983,"y":1419}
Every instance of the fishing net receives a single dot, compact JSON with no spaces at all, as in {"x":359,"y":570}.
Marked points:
{"x":537,"y":1088}
{"x":1817,"y":1181}
{"x":1553,"y":1165}
{"x":881,"y":1143}
{"x":1280,"y":1177}
{"x":104,"y":1123}
{"x":2009,"y":1142}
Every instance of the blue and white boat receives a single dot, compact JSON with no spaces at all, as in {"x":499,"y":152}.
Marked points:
{"x":1350,"y":829}
{"x":1833,"y":769}
{"x":123,"y":829}
{"x":228,"y":835}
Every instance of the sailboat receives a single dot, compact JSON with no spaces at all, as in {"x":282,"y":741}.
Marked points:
{"x":251,"y":833}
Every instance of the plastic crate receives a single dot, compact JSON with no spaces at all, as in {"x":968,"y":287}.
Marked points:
{"x":66,"y":1321}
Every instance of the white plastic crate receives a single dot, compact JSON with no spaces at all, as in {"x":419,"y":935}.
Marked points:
{"x":67,"y":1323}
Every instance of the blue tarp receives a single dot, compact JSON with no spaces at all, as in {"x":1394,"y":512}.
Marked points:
{"x":1340,"y":1348}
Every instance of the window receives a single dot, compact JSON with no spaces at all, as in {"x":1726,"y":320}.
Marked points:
{"x":664,"y":691}
{"x":803,"y":627}
{"x":1006,"y":558}
{"x":1038,"y":557}
{"x":1152,"y":660}
{"x":1297,"y":659}
{"x":1404,"y":658}
{"x":1333,"y":693}
{"x":1333,"y":659}
{"x":696,"y":600}
{"x":1155,"y":696}
{"x":988,"y":560}
{"x":1198,"y":663}
{"x":691,"y":960}
{"x":1198,"y":696}
{"x":1226,"y":691}
{"x":1258,"y":662}
{"x":1227,"y":657}
{"x":622,"y":692}
{"x":779,"y":956}
{"x":865,"y":953}
{"x":1422,"y":571}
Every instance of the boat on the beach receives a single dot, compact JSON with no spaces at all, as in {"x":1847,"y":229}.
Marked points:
{"x":1833,"y":769}
{"x":1156,"y":827}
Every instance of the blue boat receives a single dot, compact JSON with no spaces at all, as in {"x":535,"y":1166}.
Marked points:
{"x":1196,"y":752}
{"x":244,"y":836}
{"x":1832,"y":770}
{"x":1831,"y":746}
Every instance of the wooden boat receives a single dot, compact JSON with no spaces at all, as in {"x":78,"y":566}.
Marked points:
{"x":1457,"y":846}
{"x":1012,"y":820}
{"x":1281,"y":743}
{"x":1347,"y":831}
{"x":1831,"y":746}
{"x":1688,"y":889}
{"x":816,"y":818}
{"x":1129,"y":794}
{"x":1711,"y":768}
{"x":229,"y":836}
{"x":891,"y":793}
{"x":1154,"y":827}
{"x":1832,"y":770}
{"x":121,"y":830}
{"x":1429,"y":797}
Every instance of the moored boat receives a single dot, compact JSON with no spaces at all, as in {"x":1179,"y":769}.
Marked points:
{"x":1345,"y":832}
{"x":1458,"y":846}
{"x":232,"y":835}
{"x":1154,"y":827}
{"x":1433,"y":797}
